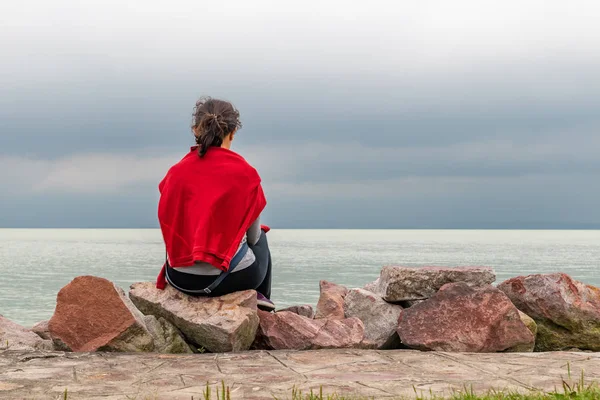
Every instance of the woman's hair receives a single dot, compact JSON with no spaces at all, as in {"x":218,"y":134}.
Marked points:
{"x":212,"y":121}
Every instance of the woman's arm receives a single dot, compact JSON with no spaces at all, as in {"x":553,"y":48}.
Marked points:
{"x":253,"y":233}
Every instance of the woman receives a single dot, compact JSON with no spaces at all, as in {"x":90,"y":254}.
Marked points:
{"x":209,"y":214}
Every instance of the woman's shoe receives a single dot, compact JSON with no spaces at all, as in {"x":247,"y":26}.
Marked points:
{"x":264,"y":303}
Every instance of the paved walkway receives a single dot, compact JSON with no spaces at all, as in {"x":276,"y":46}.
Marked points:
{"x":262,"y":375}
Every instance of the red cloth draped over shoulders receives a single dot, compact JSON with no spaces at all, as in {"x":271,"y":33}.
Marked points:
{"x":206,"y":206}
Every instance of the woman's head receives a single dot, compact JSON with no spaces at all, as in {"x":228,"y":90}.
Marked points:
{"x":214,"y":123}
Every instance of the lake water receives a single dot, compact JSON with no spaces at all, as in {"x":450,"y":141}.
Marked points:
{"x":36,"y":263}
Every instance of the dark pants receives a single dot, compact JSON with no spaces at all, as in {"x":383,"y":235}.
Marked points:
{"x":257,"y":276}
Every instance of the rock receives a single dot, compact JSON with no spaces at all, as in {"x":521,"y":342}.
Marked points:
{"x":304,"y":310}
{"x":529,"y":323}
{"x":167,"y":338}
{"x":287,"y":330}
{"x":217,"y":324}
{"x":41,"y":329}
{"x":344,"y":333}
{"x":93,"y":314}
{"x":566,"y":311}
{"x":331,"y":301}
{"x":532,"y":326}
{"x":379,"y":318}
{"x":398,"y":284}
{"x":459,"y":318}
{"x":372,"y":287}
{"x":16,"y":337}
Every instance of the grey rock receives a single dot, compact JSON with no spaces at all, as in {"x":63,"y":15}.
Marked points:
{"x":167,"y":338}
{"x":398,"y":283}
{"x":379,"y":317}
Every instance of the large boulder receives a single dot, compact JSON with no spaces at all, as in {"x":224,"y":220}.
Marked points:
{"x":397,"y":283}
{"x":459,"y":318}
{"x":331,"y":301}
{"x":216,"y":324}
{"x":93,"y":314}
{"x":567,"y":312}
{"x":289,"y":331}
{"x":16,"y":337}
{"x":379,"y":317}
{"x":304,"y":310}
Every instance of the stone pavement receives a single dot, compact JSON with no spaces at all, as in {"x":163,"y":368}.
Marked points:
{"x":262,"y":374}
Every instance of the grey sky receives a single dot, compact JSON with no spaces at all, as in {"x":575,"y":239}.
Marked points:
{"x":379,"y":114}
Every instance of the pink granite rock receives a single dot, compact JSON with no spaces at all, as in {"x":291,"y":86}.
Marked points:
{"x":93,"y":314}
{"x":287,"y":330}
{"x":342,"y":333}
{"x":379,"y":317}
{"x":218,"y":324}
{"x":397,"y":283}
{"x":304,"y":310}
{"x":16,"y":337}
{"x":331,"y":301}
{"x":566,"y":311}
{"x":459,"y":318}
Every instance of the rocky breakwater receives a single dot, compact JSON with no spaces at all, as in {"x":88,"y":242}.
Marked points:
{"x":428,"y":308}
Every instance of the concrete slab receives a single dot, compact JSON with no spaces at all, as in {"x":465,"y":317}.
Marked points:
{"x":263,"y":375}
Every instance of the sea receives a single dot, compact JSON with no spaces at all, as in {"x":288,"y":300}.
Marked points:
{"x":36,"y":263}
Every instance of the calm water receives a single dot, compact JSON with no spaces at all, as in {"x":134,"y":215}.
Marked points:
{"x":36,"y":263}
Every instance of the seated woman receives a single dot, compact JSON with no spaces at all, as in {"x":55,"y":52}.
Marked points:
{"x":209,"y":214}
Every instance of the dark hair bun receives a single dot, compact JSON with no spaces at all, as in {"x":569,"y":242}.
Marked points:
{"x":212,"y":121}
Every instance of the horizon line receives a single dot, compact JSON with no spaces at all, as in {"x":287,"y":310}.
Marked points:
{"x":592,"y":227}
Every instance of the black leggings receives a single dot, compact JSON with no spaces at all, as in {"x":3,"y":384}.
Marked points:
{"x":257,"y":276}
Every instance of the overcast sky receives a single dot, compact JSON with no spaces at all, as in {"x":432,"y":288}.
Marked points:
{"x":378,"y":114}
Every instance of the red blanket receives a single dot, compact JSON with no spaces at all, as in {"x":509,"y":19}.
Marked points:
{"x":206,"y":206}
